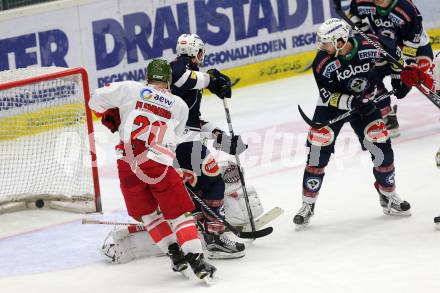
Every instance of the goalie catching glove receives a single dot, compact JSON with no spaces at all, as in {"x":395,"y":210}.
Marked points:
{"x":219,"y":84}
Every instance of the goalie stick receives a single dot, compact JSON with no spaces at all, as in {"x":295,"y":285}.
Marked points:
{"x":240,"y":173}
{"x":433,"y":97}
{"x":319,"y":125}
{"x":246,"y":235}
{"x":263,"y":220}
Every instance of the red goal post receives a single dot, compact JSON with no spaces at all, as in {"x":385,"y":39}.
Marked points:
{"x":47,"y":147}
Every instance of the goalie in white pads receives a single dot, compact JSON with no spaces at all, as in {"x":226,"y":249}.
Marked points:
{"x":151,"y":119}
{"x":125,"y":243}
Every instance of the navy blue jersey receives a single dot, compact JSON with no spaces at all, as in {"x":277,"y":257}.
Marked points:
{"x":185,"y":85}
{"x":356,"y":73}
{"x":401,"y":21}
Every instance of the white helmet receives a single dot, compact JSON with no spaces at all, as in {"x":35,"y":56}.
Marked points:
{"x":331,"y":31}
{"x":190,"y":44}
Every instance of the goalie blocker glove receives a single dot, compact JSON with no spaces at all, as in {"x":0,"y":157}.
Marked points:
{"x":232,"y":145}
{"x":219,"y":84}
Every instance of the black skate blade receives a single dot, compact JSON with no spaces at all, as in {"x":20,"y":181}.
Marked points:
{"x":256,"y":234}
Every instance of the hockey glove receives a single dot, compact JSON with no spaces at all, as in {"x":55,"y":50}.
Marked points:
{"x":111,"y":119}
{"x":365,"y":106}
{"x":400,"y":88}
{"x":411,"y":76}
{"x":231,"y":145}
{"x":348,"y":102}
{"x":219,"y":84}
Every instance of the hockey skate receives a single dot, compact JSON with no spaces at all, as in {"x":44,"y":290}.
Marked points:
{"x":391,"y":123}
{"x":178,"y":262}
{"x":219,"y":246}
{"x":302,"y":218}
{"x":200,"y":267}
{"x":392,"y":204}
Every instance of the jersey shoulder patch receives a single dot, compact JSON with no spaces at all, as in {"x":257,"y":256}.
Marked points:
{"x":324,"y":64}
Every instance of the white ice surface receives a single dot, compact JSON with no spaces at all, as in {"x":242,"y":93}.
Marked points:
{"x":350,"y":246}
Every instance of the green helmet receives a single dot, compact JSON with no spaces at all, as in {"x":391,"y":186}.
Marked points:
{"x":159,"y":70}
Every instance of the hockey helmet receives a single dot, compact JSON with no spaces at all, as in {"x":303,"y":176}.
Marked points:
{"x":159,"y":70}
{"x":331,"y":31}
{"x":191,"y":45}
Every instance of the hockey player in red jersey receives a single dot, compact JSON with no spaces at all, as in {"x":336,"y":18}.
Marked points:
{"x":346,"y":70}
{"x":151,"y":120}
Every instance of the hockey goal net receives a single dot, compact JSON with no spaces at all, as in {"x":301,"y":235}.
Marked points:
{"x":47,"y":150}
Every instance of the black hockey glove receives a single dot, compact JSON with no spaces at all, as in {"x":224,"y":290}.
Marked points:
{"x":231,"y":145}
{"x":219,"y":84}
{"x":365,"y":106}
{"x":400,"y":89}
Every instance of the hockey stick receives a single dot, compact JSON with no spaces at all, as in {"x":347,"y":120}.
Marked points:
{"x":433,"y":97}
{"x":247,"y":235}
{"x":319,"y":125}
{"x":100,"y":222}
{"x":240,"y":173}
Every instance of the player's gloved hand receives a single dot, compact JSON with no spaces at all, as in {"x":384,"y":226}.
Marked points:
{"x":111,"y":119}
{"x":219,"y":84}
{"x":364,"y":105}
{"x":400,"y":88}
{"x":411,"y":76}
{"x":363,"y":26}
{"x":231,"y":145}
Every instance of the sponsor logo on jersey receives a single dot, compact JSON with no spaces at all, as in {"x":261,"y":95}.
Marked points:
{"x":369,"y":54}
{"x":358,"y":84}
{"x":332,"y":66}
{"x":353,"y":70}
{"x":321,"y":137}
{"x":396,"y":20}
{"x":323,"y":61}
{"x":148,"y":95}
{"x":365,"y":10}
{"x":376,"y":131}
{"x":383,"y":23}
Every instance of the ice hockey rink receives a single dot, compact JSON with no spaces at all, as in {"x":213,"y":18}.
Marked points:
{"x":350,"y":245}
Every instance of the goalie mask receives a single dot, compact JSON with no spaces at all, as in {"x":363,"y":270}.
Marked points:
{"x":191,"y":45}
{"x":330,"y":32}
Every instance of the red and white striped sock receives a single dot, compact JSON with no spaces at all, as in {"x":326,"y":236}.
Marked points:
{"x":159,"y":230}
{"x":186,"y":233}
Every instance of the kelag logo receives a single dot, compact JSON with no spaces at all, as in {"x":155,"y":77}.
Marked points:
{"x":114,"y":40}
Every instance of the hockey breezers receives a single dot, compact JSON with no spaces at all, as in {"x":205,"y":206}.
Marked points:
{"x":433,"y":97}
{"x":319,"y":125}
{"x":245,"y":235}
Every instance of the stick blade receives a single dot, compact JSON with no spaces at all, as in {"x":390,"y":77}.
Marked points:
{"x":315,"y":125}
{"x":257,"y":234}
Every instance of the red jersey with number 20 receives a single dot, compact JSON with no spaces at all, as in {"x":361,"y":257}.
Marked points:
{"x":148,"y":114}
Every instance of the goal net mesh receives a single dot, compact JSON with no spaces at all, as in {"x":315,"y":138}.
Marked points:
{"x":45,"y":157}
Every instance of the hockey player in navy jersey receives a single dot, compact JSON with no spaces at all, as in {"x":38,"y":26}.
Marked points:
{"x":193,"y":158}
{"x":346,"y":71}
{"x":401,"y":21}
